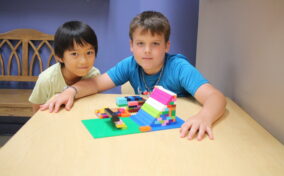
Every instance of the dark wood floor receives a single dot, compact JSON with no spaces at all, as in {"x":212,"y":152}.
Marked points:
{"x":4,"y":139}
{"x":9,"y":126}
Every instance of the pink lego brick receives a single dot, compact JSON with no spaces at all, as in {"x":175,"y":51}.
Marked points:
{"x":161,"y":96}
{"x":121,"y":109}
{"x":133,"y":103}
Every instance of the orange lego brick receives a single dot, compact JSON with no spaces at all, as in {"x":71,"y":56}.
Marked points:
{"x":145,"y":128}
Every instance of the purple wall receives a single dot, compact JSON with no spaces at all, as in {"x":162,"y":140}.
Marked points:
{"x":109,"y":18}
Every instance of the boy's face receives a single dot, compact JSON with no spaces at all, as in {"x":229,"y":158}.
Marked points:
{"x":149,"y":50}
{"x":78,"y":61}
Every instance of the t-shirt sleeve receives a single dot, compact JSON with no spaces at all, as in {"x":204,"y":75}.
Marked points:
{"x":40,"y":92}
{"x":120,"y":73}
{"x":190,"y":78}
{"x":92,"y":73}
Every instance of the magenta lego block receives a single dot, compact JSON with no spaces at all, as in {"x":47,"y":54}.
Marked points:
{"x":163,"y":93}
{"x":161,"y":96}
{"x":105,"y":116}
{"x":121,"y":109}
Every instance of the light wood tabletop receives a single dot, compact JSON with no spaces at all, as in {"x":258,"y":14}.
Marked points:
{"x":59,"y":144}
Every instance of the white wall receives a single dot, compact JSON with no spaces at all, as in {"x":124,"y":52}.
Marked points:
{"x":240,"y":49}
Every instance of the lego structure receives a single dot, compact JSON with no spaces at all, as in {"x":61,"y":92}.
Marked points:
{"x":135,"y":115}
{"x":158,"y":110}
{"x":131,"y":103}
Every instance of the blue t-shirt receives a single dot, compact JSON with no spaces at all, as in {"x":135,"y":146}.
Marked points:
{"x":178,"y":75}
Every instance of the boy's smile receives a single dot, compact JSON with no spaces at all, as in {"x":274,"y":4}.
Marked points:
{"x":149,"y":50}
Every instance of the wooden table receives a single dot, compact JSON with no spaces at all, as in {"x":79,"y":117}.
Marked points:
{"x":58,"y":144}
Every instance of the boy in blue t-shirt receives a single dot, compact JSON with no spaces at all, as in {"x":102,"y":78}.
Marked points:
{"x":151,"y":65}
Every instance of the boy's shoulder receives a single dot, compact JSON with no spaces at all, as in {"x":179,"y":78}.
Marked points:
{"x":174,"y":59}
{"x":129,"y":59}
{"x":92,"y":73}
{"x":51,"y":73}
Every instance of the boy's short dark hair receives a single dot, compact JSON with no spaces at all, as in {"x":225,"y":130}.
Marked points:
{"x":74,"y":31}
{"x":152,"y":21}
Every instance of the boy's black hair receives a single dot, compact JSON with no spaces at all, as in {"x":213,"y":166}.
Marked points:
{"x":152,"y":21}
{"x":74,"y":32}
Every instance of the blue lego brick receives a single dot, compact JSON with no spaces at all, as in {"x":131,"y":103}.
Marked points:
{"x":164,"y":116}
{"x":138,"y":119}
{"x":176,"y":124}
{"x":143,"y":118}
{"x":130,"y":98}
{"x":138,"y":98}
{"x":147,"y":117}
{"x":155,"y":125}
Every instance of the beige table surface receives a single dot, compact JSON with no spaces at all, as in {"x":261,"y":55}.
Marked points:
{"x":59,"y":144}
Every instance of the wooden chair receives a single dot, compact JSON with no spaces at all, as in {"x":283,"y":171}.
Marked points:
{"x":25,"y":46}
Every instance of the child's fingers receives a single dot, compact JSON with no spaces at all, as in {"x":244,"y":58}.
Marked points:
{"x":209,"y":132}
{"x":69,"y":103}
{"x":57,"y":105}
{"x":43,"y":107}
{"x":50,"y":107}
{"x":184,"y":129}
{"x":192,"y":131}
{"x":201,"y":132}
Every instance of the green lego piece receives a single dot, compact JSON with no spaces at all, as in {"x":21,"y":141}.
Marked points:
{"x":122,"y":105}
{"x":165,"y":112}
{"x":150,"y":110}
{"x":104,"y":127}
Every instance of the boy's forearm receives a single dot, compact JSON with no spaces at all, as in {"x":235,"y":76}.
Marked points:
{"x":214,"y":107}
{"x":85,"y":87}
{"x":94,"y":85}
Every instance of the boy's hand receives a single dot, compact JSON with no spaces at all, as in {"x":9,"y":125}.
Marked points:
{"x":65,"y":98}
{"x":196,"y":125}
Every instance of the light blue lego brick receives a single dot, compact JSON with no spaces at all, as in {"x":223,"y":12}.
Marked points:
{"x":148,"y":118}
{"x":169,"y":118}
{"x":143,"y":118}
{"x":138,"y":119}
{"x":121,"y":101}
